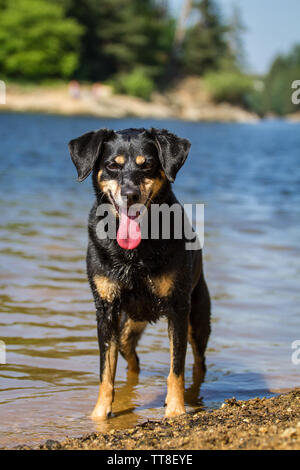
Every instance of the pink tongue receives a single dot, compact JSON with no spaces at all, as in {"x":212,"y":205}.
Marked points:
{"x":129,"y":233}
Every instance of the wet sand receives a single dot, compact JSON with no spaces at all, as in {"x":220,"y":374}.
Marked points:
{"x":272,"y":423}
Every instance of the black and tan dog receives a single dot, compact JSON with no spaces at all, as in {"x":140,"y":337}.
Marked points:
{"x":135,"y":280}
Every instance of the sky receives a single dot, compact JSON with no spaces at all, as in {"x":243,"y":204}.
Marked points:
{"x":273,"y":27}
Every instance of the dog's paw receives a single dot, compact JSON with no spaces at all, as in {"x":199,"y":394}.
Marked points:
{"x":174,"y":409}
{"x":101,"y":412}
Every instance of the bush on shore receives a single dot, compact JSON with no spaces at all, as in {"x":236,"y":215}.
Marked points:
{"x":229,"y":86}
{"x":136,"y":83}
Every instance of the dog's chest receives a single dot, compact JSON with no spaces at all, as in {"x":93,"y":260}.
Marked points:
{"x":145,"y":295}
{"x":142,"y":306}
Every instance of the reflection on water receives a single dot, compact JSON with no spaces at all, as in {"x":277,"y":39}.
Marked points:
{"x":247,"y":175}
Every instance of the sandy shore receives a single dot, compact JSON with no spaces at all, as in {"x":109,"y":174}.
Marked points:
{"x":295,"y":117}
{"x":272,"y":423}
{"x":188,"y":101}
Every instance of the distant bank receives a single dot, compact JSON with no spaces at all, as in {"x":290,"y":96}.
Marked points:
{"x":188,"y":101}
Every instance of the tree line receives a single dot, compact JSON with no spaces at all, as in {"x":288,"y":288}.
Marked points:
{"x":95,"y":40}
{"x":137,"y":46}
{"x":276,"y":96}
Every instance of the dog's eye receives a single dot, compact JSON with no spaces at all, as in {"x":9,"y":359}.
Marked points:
{"x":113,"y":166}
{"x":147,"y":165}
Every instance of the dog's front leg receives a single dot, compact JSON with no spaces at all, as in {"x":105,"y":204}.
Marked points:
{"x":107,"y":300}
{"x":108,"y":346}
{"x":177,"y":328}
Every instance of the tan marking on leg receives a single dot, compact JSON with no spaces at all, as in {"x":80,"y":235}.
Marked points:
{"x":106,"y":389}
{"x":198,"y":370}
{"x":140,"y":160}
{"x":127,"y":348}
{"x":106,"y":288}
{"x":175,"y":395}
{"x":163,"y":285}
{"x":193,"y":344}
{"x":120,"y":159}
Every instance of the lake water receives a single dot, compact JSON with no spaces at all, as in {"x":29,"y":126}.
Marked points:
{"x":248,"y":177}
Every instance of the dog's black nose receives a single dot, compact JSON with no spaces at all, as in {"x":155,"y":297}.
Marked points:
{"x":131,"y":193}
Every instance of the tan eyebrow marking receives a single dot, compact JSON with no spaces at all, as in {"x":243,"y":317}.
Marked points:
{"x":120,"y":159}
{"x":140,"y":160}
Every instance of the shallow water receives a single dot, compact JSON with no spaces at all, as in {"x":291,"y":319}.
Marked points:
{"x":248,"y":176}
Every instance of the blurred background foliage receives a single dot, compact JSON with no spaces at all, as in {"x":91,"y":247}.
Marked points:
{"x":205,"y":45}
{"x":37,"y":40}
{"x":277,"y":95}
{"x":138,"y":47}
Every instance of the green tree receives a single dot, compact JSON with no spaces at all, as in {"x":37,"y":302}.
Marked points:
{"x":277,"y":91}
{"x":121,"y":35}
{"x":236,"y":29}
{"x":36,"y":41}
{"x":229,"y":86}
{"x":205,"y":45}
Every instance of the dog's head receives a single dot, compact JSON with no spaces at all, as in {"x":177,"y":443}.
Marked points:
{"x":130,"y":166}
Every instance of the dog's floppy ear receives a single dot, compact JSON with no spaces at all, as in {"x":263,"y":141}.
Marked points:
{"x":172,"y":151}
{"x":85,"y":150}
